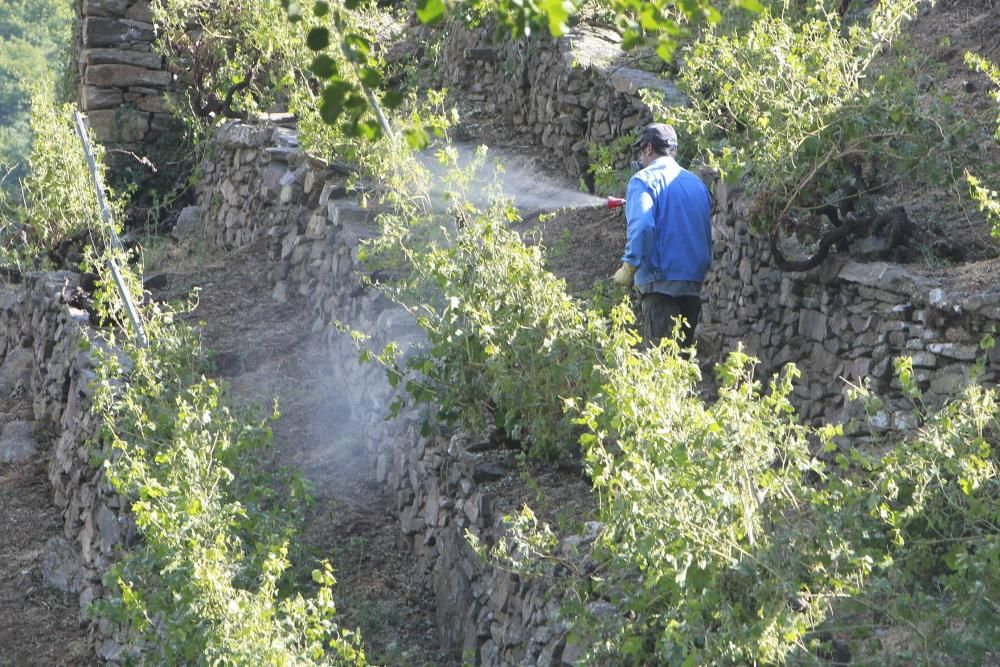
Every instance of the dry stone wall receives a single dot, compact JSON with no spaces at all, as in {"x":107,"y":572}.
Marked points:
{"x":259,"y":188}
{"x":839,"y":323}
{"x":36,"y":320}
{"x":568,"y":93}
{"x":845,"y":321}
{"x":122,"y":80}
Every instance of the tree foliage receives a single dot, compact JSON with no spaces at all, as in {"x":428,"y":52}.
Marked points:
{"x":815,"y":113}
{"x":34,"y":40}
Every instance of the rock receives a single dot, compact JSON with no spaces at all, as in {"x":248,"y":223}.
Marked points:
{"x":156,"y":281}
{"x":280,"y":292}
{"x":100,"y":32}
{"x":61,"y":566}
{"x":552,"y":654}
{"x":143,"y":59}
{"x":119,"y":125}
{"x":140,"y":11}
{"x":813,"y":324}
{"x":156,"y":104}
{"x":955,"y":351}
{"x":104,"y":7}
{"x":488,"y":472}
{"x":17,"y":442}
{"x":189,"y":223}
{"x":126,"y":76}
{"x":947,"y":382}
{"x":93,"y":97}
{"x":15,"y":372}
{"x":109,"y":650}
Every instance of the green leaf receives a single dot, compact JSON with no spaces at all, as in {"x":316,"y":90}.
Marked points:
{"x":665,"y":49}
{"x":416,"y":138}
{"x":371,"y":77}
{"x":318,"y":38}
{"x":324,"y":66}
{"x":334,"y":97}
{"x":430,"y":11}
{"x":369,"y":129}
{"x":356,"y":47}
{"x":392,"y":99}
{"x":558,"y":13}
{"x":321,"y":8}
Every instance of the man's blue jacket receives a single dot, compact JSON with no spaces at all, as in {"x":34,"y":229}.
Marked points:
{"x":669,"y":224}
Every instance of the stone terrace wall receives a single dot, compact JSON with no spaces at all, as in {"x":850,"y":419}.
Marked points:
{"x":259,"y":188}
{"x":122,"y":79}
{"x":35,"y":318}
{"x":844,"y":321}
{"x":568,"y":93}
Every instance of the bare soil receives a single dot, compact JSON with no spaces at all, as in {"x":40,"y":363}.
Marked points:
{"x":38,"y":625}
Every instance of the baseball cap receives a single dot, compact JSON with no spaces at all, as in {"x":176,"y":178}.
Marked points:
{"x":658,"y":135}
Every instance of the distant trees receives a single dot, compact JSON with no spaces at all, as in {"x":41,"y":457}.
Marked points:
{"x":34,"y":45}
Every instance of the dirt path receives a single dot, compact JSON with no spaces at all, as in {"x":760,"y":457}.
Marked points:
{"x":38,"y":625}
{"x":265,"y":350}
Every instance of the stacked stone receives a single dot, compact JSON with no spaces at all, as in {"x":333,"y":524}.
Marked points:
{"x":842,"y":322}
{"x":492,"y":616}
{"x":95,"y":518}
{"x":568,"y":93}
{"x":258,"y":187}
{"x":123,"y":79}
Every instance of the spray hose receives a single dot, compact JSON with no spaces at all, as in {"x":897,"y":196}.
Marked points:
{"x":615,"y":202}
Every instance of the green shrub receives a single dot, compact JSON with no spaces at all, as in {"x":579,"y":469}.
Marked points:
{"x":207,"y":583}
{"x":58,"y":192}
{"x":798,"y":105}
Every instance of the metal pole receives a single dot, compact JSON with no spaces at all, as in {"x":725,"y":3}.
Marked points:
{"x":377,"y":108}
{"x":133,"y":314}
{"x":81,"y":131}
{"x":123,"y":291}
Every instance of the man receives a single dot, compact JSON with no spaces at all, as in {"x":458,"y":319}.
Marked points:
{"x":669,"y":245}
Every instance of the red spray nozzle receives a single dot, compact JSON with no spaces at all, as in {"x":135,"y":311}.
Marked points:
{"x":615,"y":202}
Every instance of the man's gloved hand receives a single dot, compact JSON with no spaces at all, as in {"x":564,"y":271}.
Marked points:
{"x":623,"y":276}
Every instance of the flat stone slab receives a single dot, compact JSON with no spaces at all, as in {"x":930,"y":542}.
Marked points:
{"x":15,"y":371}
{"x":888,"y":277}
{"x":17,"y":442}
{"x":61,"y":566}
{"x":601,"y":50}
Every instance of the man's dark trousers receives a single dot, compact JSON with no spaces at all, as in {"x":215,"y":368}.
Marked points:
{"x":658,"y":313}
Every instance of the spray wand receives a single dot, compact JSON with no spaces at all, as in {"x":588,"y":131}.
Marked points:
{"x":615,"y":202}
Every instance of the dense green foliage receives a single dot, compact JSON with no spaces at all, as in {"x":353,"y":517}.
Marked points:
{"x":986,"y":198}
{"x":34,"y":38}
{"x":208,"y":581}
{"x":797,"y":108}
{"x":731,"y":534}
{"x":57,"y":193}
{"x":506,"y":342}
